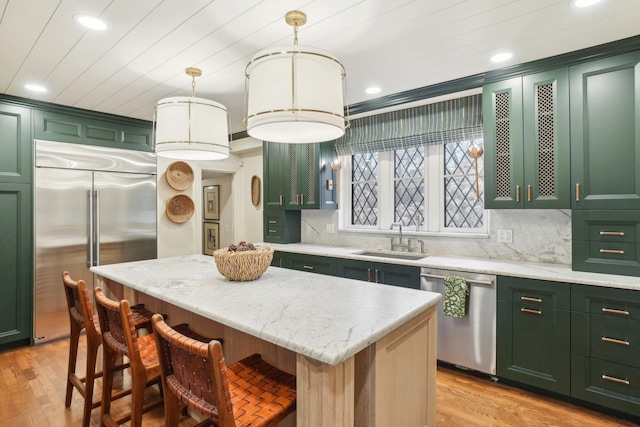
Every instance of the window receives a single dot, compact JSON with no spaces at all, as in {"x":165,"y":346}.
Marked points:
{"x":421,"y":167}
{"x":435,"y":188}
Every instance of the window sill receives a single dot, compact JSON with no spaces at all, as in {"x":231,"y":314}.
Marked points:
{"x":417,"y":234}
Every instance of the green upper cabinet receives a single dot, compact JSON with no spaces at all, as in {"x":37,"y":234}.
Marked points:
{"x":605,"y":133}
{"x":275,"y":165}
{"x":15,"y":144}
{"x":116,"y":132}
{"x":526,"y":138}
{"x":296,"y":176}
{"x":303,"y":181}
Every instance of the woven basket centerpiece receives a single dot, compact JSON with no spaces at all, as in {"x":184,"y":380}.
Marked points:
{"x":244,"y":261}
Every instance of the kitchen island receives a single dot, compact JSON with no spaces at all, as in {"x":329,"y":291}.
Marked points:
{"x":364,"y":354}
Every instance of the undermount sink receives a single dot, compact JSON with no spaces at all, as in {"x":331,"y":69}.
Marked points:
{"x":396,"y":255}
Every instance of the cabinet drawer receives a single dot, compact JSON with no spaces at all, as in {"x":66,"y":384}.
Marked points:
{"x":622,"y":303}
{"x":606,"y":257}
{"x":606,"y":337}
{"x":313,"y":264}
{"x":606,"y":226}
{"x":605,"y":383}
{"x":613,"y":251}
{"x":534,"y":294}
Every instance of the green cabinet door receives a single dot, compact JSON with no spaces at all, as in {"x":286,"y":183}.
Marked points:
{"x":526,"y":139}
{"x":275,"y":165}
{"x":15,"y":144}
{"x":605,"y":136}
{"x":547,"y":156}
{"x":503,"y":163}
{"x":15,"y":264}
{"x":533,"y":333}
{"x":303,"y":183}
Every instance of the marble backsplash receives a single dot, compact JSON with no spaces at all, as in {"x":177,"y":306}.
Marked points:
{"x":539,"y":235}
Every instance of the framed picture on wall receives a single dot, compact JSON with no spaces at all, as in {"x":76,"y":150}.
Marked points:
{"x":211,"y":237}
{"x":211,"y":202}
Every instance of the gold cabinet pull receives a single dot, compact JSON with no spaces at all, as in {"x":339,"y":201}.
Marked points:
{"x":528,"y":310}
{"x":297,"y":199}
{"x":376,"y":275}
{"x":272,"y":231}
{"x":614,"y":311}
{"x":528,"y":193}
{"x":307,"y":267}
{"x":531,"y":299}
{"x":272,"y":221}
{"x":517,"y":193}
{"x":577,"y":192}
{"x":368,"y":274}
{"x":281,"y":200}
{"x":302,"y":199}
{"x":615,"y":341}
{"x":611,"y":251}
{"x":615,"y":380}
{"x":612,"y":233}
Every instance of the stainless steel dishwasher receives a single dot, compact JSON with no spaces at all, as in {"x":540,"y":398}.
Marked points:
{"x":468,"y":342}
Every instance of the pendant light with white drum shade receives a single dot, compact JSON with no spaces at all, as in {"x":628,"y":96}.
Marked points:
{"x":294,"y":94}
{"x":190,"y":128}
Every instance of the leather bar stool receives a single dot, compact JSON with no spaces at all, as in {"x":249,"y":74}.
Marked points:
{"x":249,"y":392}
{"x":81,"y":318}
{"x":120,"y":339}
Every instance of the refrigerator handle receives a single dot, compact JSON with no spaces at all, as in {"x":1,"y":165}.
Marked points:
{"x":90,"y":233}
{"x":97,"y":227}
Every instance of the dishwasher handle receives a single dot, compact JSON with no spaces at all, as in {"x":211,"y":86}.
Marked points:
{"x":470,"y":281}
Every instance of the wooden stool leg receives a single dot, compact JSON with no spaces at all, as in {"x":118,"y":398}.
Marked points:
{"x":73,"y":357}
{"x":107,"y":383}
{"x":139,"y":383}
{"x":92,"y":354}
{"x":172,"y":410}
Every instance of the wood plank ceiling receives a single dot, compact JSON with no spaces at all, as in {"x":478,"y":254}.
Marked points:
{"x":394,"y":44}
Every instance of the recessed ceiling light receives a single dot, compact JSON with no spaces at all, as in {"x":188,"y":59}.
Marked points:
{"x":372,"y":90}
{"x":585,"y":3}
{"x":501,"y":57}
{"x":91,"y":22}
{"x":35,"y":87}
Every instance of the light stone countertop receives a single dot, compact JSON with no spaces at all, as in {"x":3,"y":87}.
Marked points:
{"x":326,"y":318}
{"x":541,"y":271}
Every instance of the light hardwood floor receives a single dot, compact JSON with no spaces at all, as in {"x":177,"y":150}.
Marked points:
{"x":32,"y":387}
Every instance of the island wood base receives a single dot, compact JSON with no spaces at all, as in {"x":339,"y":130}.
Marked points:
{"x":390,"y":383}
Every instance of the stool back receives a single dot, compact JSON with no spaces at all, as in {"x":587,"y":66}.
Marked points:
{"x":117,"y":325}
{"x":195,"y":372}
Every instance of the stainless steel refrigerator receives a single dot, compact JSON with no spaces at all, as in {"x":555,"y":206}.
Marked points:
{"x":92,"y":206}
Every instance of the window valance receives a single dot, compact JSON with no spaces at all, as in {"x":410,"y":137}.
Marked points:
{"x":430,"y":124}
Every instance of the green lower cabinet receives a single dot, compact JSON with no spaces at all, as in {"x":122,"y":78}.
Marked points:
{"x":388,"y":274}
{"x":605,"y":344}
{"x":281,"y":226}
{"x":533,"y":332}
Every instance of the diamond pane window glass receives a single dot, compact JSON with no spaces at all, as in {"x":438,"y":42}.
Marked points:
{"x":463,"y":184}
{"x":409,"y":186}
{"x":364,"y":189}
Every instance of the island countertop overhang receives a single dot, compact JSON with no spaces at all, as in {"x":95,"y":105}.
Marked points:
{"x":326,"y":318}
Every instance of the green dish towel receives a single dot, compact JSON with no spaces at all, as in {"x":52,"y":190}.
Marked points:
{"x":456,"y":291}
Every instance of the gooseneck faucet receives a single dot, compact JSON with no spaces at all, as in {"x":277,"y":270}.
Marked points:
{"x":400,"y":244}
{"x":399,"y":224}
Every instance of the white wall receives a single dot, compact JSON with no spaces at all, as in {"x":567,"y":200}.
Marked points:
{"x":244,"y":221}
